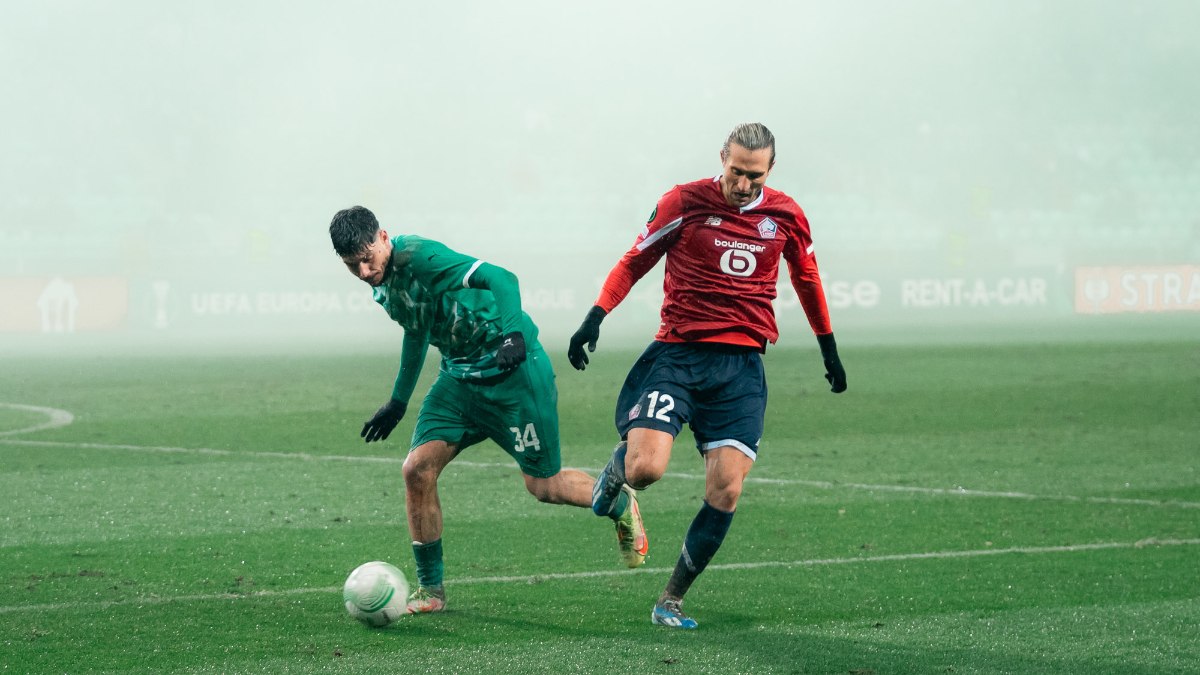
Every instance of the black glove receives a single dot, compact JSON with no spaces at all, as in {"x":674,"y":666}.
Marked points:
{"x":834,"y":372}
{"x":588,"y":333}
{"x":511,"y":351}
{"x":385,"y":419}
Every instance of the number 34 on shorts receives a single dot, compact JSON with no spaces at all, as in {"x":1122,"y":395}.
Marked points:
{"x":526,"y":438}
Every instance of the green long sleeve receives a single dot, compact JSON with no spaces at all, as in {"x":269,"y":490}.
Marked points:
{"x":412,"y":359}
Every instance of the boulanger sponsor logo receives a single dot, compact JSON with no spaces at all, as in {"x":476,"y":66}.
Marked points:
{"x":1111,"y":290}
{"x":1002,"y":292}
{"x":753,"y":248}
{"x":738,"y":263}
{"x":738,"y":260}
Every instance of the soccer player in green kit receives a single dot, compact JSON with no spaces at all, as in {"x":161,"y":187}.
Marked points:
{"x":495,"y":381}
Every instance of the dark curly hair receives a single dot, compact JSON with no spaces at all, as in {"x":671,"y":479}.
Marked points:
{"x":353,"y":230}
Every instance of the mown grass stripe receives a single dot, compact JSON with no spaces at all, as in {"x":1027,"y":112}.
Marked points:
{"x":761,"y":480}
{"x":1147,"y":542}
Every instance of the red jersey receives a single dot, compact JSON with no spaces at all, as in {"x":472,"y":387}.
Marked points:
{"x":722,"y":265}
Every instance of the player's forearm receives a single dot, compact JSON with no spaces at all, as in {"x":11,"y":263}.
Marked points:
{"x":812,"y":299}
{"x":506,"y":289}
{"x":412,"y":359}
{"x":621,"y":279}
{"x":616,"y":287}
{"x":806,"y":280}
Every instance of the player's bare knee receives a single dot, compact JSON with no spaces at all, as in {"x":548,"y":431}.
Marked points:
{"x":723,"y":497}
{"x":542,"y":493}
{"x":418,"y":473}
{"x":542,"y":489}
{"x":641,"y":471}
{"x":547,"y":497}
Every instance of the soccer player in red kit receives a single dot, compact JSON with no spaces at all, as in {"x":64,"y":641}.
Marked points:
{"x":723,"y":238}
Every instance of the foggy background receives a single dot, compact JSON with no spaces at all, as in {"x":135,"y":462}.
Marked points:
{"x":168,"y":170}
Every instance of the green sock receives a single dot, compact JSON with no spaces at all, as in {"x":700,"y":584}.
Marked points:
{"x":429,"y":563}
{"x":620,"y":505}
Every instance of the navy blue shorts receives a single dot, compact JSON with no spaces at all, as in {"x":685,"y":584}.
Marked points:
{"x":719,"y":390}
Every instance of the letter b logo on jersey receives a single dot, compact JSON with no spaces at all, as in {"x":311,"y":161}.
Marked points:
{"x":738,"y":263}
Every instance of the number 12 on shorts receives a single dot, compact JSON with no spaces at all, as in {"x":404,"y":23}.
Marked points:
{"x":525,"y":439}
{"x":658,"y":405}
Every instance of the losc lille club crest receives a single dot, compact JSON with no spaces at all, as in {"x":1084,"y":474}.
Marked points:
{"x":767,"y":228}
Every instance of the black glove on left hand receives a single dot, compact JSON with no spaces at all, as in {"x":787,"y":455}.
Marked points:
{"x":834,"y":372}
{"x":380,"y":426}
{"x":511,"y":352}
{"x":588,"y":333}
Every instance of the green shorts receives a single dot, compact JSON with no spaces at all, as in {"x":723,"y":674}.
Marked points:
{"x":519,"y":413}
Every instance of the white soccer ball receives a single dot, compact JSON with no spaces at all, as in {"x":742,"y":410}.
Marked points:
{"x":376,"y":593}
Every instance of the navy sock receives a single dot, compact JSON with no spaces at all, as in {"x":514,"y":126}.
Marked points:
{"x":703,"y":539}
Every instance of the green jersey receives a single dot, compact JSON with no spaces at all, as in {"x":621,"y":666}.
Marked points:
{"x":459,"y":304}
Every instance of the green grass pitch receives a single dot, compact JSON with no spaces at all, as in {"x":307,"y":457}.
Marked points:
{"x":1027,"y":508}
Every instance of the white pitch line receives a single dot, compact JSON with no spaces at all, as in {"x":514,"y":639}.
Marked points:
{"x":303,"y":456}
{"x":964,"y":492}
{"x":572,"y":576}
{"x":825,"y":485}
{"x":57,"y":418}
